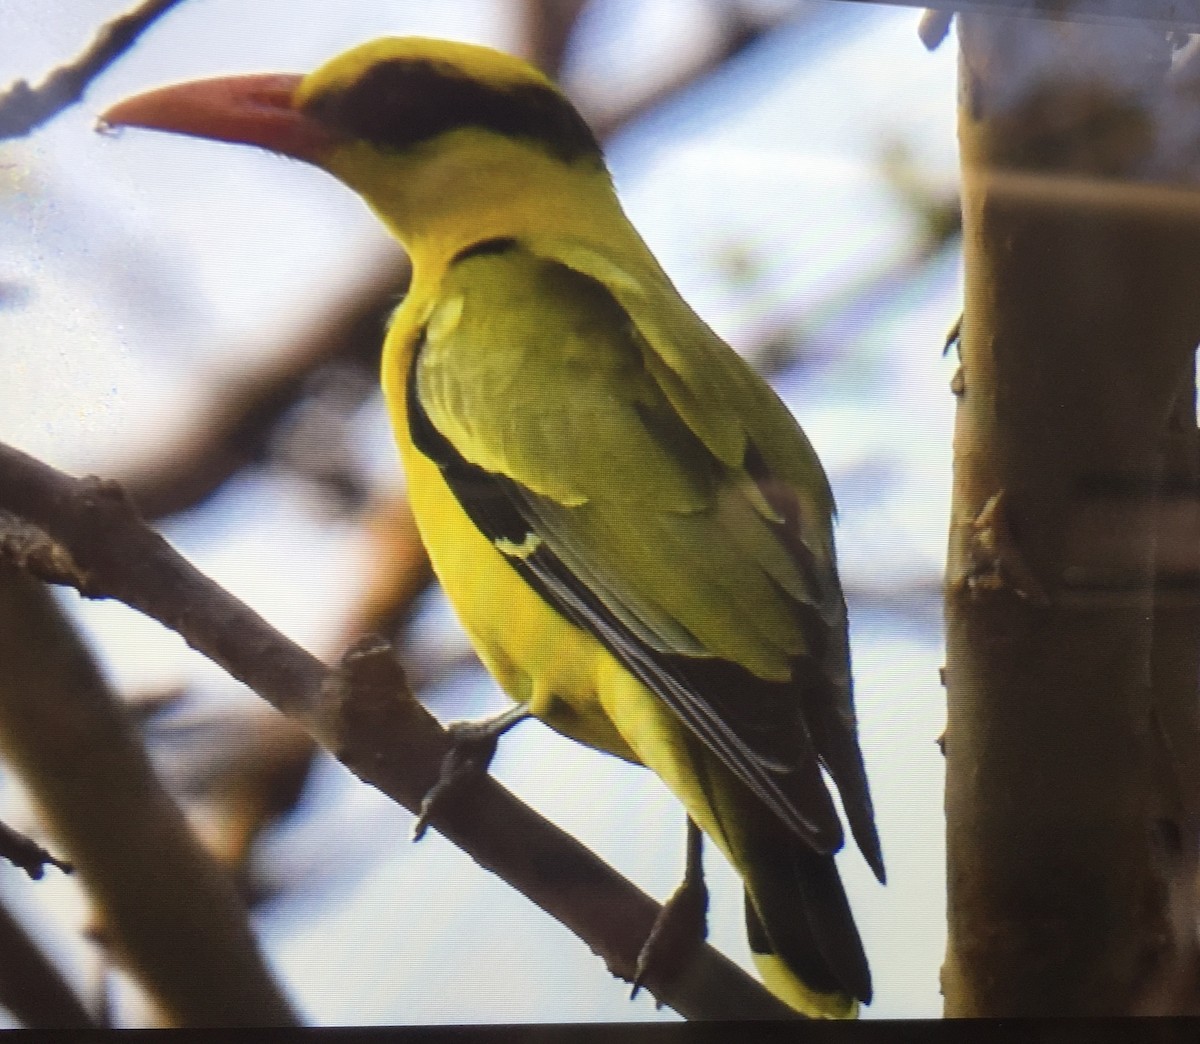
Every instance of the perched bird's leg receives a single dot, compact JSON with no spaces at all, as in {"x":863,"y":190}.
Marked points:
{"x":682,"y":924}
{"x":472,"y":747}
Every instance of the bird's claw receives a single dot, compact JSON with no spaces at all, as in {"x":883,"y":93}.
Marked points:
{"x":472,"y":747}
{"x":468,"y":758}
{"x":679,"y":929}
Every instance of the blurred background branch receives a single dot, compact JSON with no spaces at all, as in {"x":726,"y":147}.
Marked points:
{"x":31,"y":987}
{"x":170,"y":912}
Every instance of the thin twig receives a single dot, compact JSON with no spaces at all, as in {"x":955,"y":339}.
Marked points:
{"x":24,"y":108}
{"x":363,"y":713}
{"x":27,"y":854}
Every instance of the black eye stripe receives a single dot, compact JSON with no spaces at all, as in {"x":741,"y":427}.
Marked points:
{"x":400,"y":103}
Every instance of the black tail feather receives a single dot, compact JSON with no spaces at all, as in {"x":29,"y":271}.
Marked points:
{"x":796,"y":908}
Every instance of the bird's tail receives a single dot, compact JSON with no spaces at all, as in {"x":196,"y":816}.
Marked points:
{"x":802,"y":934}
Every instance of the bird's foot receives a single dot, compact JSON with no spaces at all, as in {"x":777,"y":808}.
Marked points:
{"x":472,"y":747}
{"x":680,"y":927}
{"x":682,"y":924}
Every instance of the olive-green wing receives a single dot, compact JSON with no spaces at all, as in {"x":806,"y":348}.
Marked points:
{"x":743,"y":423}
{"x":534,"y":391}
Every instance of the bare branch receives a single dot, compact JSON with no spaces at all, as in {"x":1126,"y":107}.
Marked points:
{"x":363,"y":713}
{"x":24,"y":108}
{"x":31,"y":986}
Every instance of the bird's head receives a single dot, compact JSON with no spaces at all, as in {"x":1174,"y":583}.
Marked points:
{"x":444,"y":140}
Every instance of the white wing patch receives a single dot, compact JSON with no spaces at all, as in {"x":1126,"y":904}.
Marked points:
{"x":444,"y":318}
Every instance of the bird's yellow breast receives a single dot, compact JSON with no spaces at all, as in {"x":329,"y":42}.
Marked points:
{"x":536,"y":655}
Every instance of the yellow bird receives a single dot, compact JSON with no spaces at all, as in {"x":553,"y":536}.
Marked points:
{"x":632,"y":527}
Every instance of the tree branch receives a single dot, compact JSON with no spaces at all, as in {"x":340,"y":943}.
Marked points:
{"x":24,"y":108}
{"x":1170,"y":14}
{"x":31,"y":987}
{"x":171,"y":913}
{"x":363,"y":713}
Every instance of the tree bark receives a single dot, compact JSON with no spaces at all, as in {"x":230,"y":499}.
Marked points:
{"x":1071,"y":731}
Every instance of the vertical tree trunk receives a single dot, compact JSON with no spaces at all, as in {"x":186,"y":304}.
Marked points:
{"x":1175,"y":668}
{"x":1071,"y":735}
